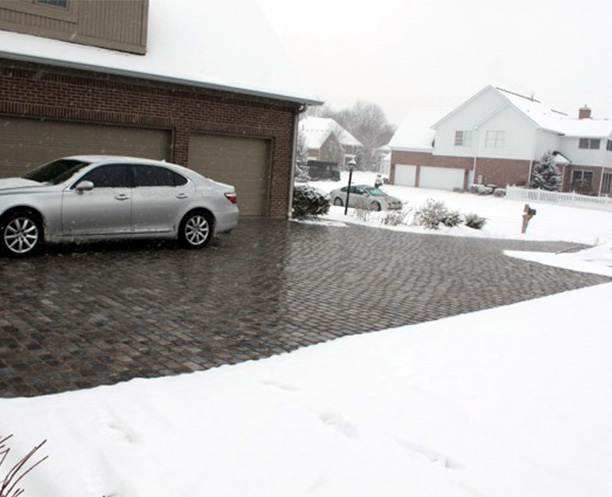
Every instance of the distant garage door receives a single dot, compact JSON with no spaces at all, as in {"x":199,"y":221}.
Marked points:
{"x":241,"y":162}
{"x":25,"y":143}
{"x":441,"y":178}
{"x":405,"y":175}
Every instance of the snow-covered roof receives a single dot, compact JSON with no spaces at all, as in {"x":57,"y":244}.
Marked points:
{"x":552,"y":120}
{"x":317,"y":129}
{"x":225,"y":45}
{"x":415,"y":132}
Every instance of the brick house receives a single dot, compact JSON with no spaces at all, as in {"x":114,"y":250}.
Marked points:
{"x":495,"y":137}
{"x":152,"y":78}
{"x":326,"y":140}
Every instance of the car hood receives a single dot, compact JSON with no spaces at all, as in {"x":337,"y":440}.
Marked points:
{"x":16,"y":183}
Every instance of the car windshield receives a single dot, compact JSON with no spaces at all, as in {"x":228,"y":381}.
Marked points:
{"x":375,"y":192}
{"x":55,"y":172}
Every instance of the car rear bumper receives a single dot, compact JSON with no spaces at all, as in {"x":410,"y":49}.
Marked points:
{"x":226,"y":221}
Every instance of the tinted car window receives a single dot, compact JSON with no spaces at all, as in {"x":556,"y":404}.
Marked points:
{"x":152,"y":176}
{"x":110,"y":176}
{"x":56,"y":171}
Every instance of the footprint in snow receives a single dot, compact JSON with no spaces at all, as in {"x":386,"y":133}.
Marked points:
{"x":336,"y":421}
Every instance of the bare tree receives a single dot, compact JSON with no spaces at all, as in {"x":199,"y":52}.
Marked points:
{"x":367,"y":122}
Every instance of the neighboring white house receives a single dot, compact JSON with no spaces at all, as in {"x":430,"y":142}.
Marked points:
{"x":326,"y":140}
{"x":494,"y":137}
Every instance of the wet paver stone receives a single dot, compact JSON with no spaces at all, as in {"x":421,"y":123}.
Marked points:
{"x":77,"y":317}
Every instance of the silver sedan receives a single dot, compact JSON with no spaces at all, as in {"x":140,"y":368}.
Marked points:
{"x":365,"y":197}
{"x":84,"y":198}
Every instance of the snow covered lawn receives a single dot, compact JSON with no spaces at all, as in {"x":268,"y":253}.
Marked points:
{"x":513,"y":401}
{"x":504,"y":217}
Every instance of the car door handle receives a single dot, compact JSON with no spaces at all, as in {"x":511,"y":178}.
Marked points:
{"x":122,"y":196}
{"x":182,"y":195}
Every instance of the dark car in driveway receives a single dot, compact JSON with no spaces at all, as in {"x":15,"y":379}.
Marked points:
{"x":83,"y":198}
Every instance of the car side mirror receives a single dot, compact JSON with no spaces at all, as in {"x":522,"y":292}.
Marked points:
{"x":84,"y":186}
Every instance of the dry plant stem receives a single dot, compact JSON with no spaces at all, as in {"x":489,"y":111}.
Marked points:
{"x":12,"y":479}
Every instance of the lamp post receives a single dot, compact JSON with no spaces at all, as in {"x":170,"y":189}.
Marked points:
{"x":351,"y":165}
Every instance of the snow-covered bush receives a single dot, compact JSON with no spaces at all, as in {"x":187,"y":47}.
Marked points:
{"x":499,"y":192}
{"x":309,"y":202}
{"x":362,"y":214}
{"x":474,"y":221}
{"x":481,"y":189}
{"x":393,"y":218}
{"x":452,"y":218}
{"x":430,"y":215}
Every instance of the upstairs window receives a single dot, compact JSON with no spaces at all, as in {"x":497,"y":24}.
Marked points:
{"x":495,"y":139}
{"x":589,"y":143}
{"x":463,"y":138}
{"x":56,"y":3}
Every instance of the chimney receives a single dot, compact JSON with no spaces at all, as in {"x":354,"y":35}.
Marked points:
{"x":584,"y":113}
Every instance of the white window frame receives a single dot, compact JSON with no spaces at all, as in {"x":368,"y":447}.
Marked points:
{"x":589,"y":143}
{"x":463,"y":138}
{"x":495,"y":139}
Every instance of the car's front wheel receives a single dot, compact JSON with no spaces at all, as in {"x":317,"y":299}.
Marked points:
{"x":338,"y":201}
{"x":196,"y":230}
{"x":21,"y":234}
{"x":376,"y":206}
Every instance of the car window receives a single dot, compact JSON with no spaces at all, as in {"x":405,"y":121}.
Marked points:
{"x":376,"y":192}
{"x":56,"y":171}
{"x":360,"y":191}
{"x":153,"y":176}
{"x":344,"y":189}
{"x":109,"y":176}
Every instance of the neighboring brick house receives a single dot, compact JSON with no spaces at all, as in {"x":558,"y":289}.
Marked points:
{"x":326,"y":140}
{"x":206,"y":87}
{"x":495,"y":137}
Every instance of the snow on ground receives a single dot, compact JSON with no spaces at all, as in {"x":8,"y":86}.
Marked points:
{"x":504,"y":217}
{"x":513,"y":401}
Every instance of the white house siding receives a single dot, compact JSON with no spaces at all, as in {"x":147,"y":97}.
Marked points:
{"x":546,"y":141}
{"x":466,"y":119}
{"x":518,"y":131}
{"x":585,"y":157}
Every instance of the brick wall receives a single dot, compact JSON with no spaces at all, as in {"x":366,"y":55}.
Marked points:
{"x":498,"y":171}
{"x":36,"y":91}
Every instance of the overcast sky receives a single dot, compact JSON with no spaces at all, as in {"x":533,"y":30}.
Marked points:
{"x":406,"y":53}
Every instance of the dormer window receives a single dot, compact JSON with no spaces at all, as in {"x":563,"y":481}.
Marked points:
{"x":463,"y":138}
{"x":589,"y":143}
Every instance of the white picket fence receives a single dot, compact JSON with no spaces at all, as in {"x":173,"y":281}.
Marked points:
{"x":569,"y":199}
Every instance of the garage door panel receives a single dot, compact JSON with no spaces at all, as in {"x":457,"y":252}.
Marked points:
{"x":238,"y":161}
{"x":441,"y":178}
{"x":405,"y":175}
{"x":25,"y":143}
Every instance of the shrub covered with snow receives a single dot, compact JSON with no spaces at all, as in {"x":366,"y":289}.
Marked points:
{"x":430,"y":215}
{"x":481,"y":189}
{"x":309,"y":202}
{"x":500,"y":192}
{"x":393,"y":218}
{"x":362,"y":214}
{"x":452,"y":218}
{"x":474,"y":221}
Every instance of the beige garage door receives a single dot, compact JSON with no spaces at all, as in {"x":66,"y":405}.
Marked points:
{"x":242,"y":162}
{"x":25,"y":143}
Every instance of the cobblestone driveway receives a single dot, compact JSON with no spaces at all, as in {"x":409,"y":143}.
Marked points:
{"x":77,"y":317}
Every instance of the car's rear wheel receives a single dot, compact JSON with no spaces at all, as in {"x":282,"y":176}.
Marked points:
{"x":338,"y":201}
{"x":21,"y":234}
{"x":375,"y":206}
{"x":196,"y":230}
